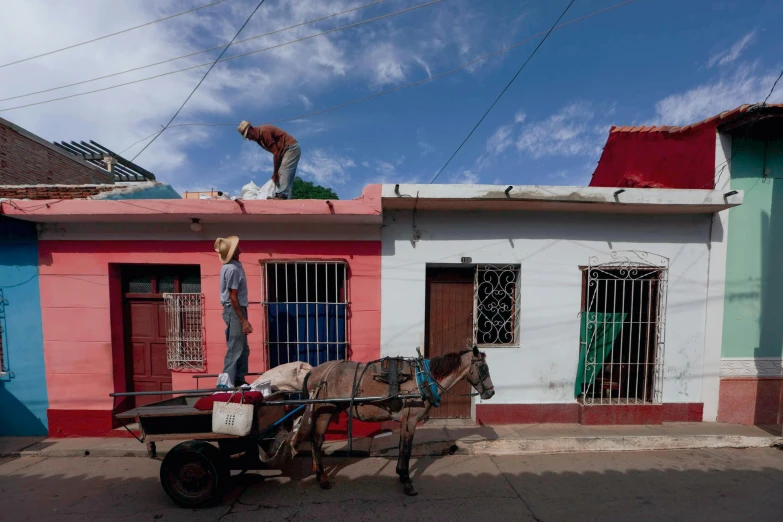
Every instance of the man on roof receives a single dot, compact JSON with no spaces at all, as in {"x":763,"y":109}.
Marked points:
{"x":283,"y":147}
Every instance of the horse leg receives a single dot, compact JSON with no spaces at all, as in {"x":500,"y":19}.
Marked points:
{"x":407,"y":430}
{"x":321,"y":422}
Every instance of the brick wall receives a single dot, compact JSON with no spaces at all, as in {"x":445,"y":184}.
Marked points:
{"x":53,"y":191}
{"x":25,"y":161}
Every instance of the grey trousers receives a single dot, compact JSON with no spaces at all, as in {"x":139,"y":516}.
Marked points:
{"x":235,"y":363}
{"x":287,"y":170}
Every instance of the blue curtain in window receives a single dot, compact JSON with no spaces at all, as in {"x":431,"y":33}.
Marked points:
{"x":313,"y":333}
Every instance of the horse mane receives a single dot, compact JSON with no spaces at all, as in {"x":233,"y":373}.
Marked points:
{"x":444,"y":365}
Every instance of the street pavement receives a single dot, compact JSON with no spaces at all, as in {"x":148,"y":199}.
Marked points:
{"x":686,"y":485}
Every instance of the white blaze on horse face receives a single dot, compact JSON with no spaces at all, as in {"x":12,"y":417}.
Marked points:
{"x":479,"y":378}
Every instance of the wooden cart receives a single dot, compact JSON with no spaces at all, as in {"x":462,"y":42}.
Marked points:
{"x":195,"y":472}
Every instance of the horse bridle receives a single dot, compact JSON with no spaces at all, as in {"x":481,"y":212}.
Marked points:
{"x":483,"y":372}
{"x":483,"y":375}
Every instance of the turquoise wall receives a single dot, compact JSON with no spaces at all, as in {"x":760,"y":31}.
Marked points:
{"x":752,"y":322}
{"x":158,"y":191}
{"x":23,"y":397}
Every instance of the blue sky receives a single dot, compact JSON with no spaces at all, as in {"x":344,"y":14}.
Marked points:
{"x":650,"y":61}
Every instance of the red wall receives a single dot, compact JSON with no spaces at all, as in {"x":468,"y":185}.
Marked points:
{"x":76,"y":303}
{"x":682,"y":159}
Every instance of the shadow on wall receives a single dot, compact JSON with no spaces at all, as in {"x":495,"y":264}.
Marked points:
{"x":769,"y":392}
{"x":511,"y":229}
{"x":16,"y":418}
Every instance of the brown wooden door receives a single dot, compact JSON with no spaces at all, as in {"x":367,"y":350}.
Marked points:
{"x":147,"y":349}
{"x":449,"y":328}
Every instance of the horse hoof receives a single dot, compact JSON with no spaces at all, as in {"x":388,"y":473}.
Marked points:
{"x":325,"y":485}
{"x":410,"y":490}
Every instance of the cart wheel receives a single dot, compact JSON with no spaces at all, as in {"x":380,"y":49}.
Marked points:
{"x":194,"y":474}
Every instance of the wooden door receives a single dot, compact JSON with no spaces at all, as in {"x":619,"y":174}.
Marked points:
{"x":147,"y":349}
{"x":449,"y":328}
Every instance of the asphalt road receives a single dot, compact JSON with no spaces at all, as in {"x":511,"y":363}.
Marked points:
{"x":713,"y":485}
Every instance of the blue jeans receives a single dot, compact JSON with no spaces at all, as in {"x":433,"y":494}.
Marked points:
{"x":235,"y":363}
{"x":287,"y":170}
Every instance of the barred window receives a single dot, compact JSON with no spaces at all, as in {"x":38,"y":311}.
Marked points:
{"x":306,"y":311}
{"x":497,"y":305}
{"x":184,"y":331}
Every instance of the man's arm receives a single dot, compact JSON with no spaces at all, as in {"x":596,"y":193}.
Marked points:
{"x":233,"y":287}
{"x":246,"y":327}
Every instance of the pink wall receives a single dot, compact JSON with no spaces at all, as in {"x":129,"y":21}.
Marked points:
{"x":76,"y":307}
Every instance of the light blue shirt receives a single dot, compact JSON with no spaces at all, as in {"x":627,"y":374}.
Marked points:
{"x":232,"y":277}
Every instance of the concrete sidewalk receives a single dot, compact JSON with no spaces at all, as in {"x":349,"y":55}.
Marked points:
{"x":519,"y":439}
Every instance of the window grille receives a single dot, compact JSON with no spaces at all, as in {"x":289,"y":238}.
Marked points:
{"x":184,"y":331}
{"x":306,"y":312}
{"x":622,"y":329}
{"x":497,"y":305}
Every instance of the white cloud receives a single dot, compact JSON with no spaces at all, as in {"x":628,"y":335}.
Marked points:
{"x":366,"y":164}
{"x":306,"y":102}
{"x":465,"y":177}
{"x":728,"y":91}
{"x":568,"y":132}
{"x":729,"y":55}
{"x":325,"y":167}
{"x":385,"y":65}
{"x":424,"y":66}
{"x":424,"y":145}
{"x":500,"y":140}
{"x":286,"y":79}
{"x":385,"y":168}
{"x":519,"y":117}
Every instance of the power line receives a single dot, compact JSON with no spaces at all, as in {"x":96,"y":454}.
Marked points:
{"x":112,"y":34}
{"x":400,"y":87}
{"x":201,"y":81}
{"x":505,"y":89}
{"x":773,"y":87}
{"x":191,"y":54}
{"x":234,"y":57}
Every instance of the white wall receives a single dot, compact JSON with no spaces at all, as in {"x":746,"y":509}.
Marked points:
{"x":550,"y":248}
{"x":717,"y":285}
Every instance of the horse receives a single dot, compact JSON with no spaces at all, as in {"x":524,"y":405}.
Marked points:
{"x":341,"y":379}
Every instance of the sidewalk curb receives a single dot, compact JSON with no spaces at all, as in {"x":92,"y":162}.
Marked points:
{"x":522,"y":446}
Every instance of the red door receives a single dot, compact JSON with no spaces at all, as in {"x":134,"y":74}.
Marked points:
{"x":147,"y":343}
{"x":449,"y":328}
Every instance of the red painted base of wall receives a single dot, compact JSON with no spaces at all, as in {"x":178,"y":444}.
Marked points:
{"x":624,"y":414}
{"x":527,"y":413}
{"x":83,"y":423}
{"x":589,"y":415}
{"x":751,"y":400}
{"x":338,"y":428}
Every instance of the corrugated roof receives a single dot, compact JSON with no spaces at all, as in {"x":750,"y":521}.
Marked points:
{"x":718,"y":119}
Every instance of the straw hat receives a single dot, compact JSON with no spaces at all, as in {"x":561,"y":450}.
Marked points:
{"x":243,"y":128}
{"x":225,"y":247}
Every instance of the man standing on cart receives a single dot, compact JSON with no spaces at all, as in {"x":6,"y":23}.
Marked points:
{"x":233,"y":297}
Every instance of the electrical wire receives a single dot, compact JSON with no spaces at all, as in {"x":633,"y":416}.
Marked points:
{"x":112,"y":34}
{"x":221,"y":60}
{"x":400,"y":87}
{"x":191,"y":54}
{"x":773,"y":87}
{"x":200,"y":81}
{"x":505,"y":89}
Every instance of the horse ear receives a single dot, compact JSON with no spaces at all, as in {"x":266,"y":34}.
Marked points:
{"x":475,"y":351}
